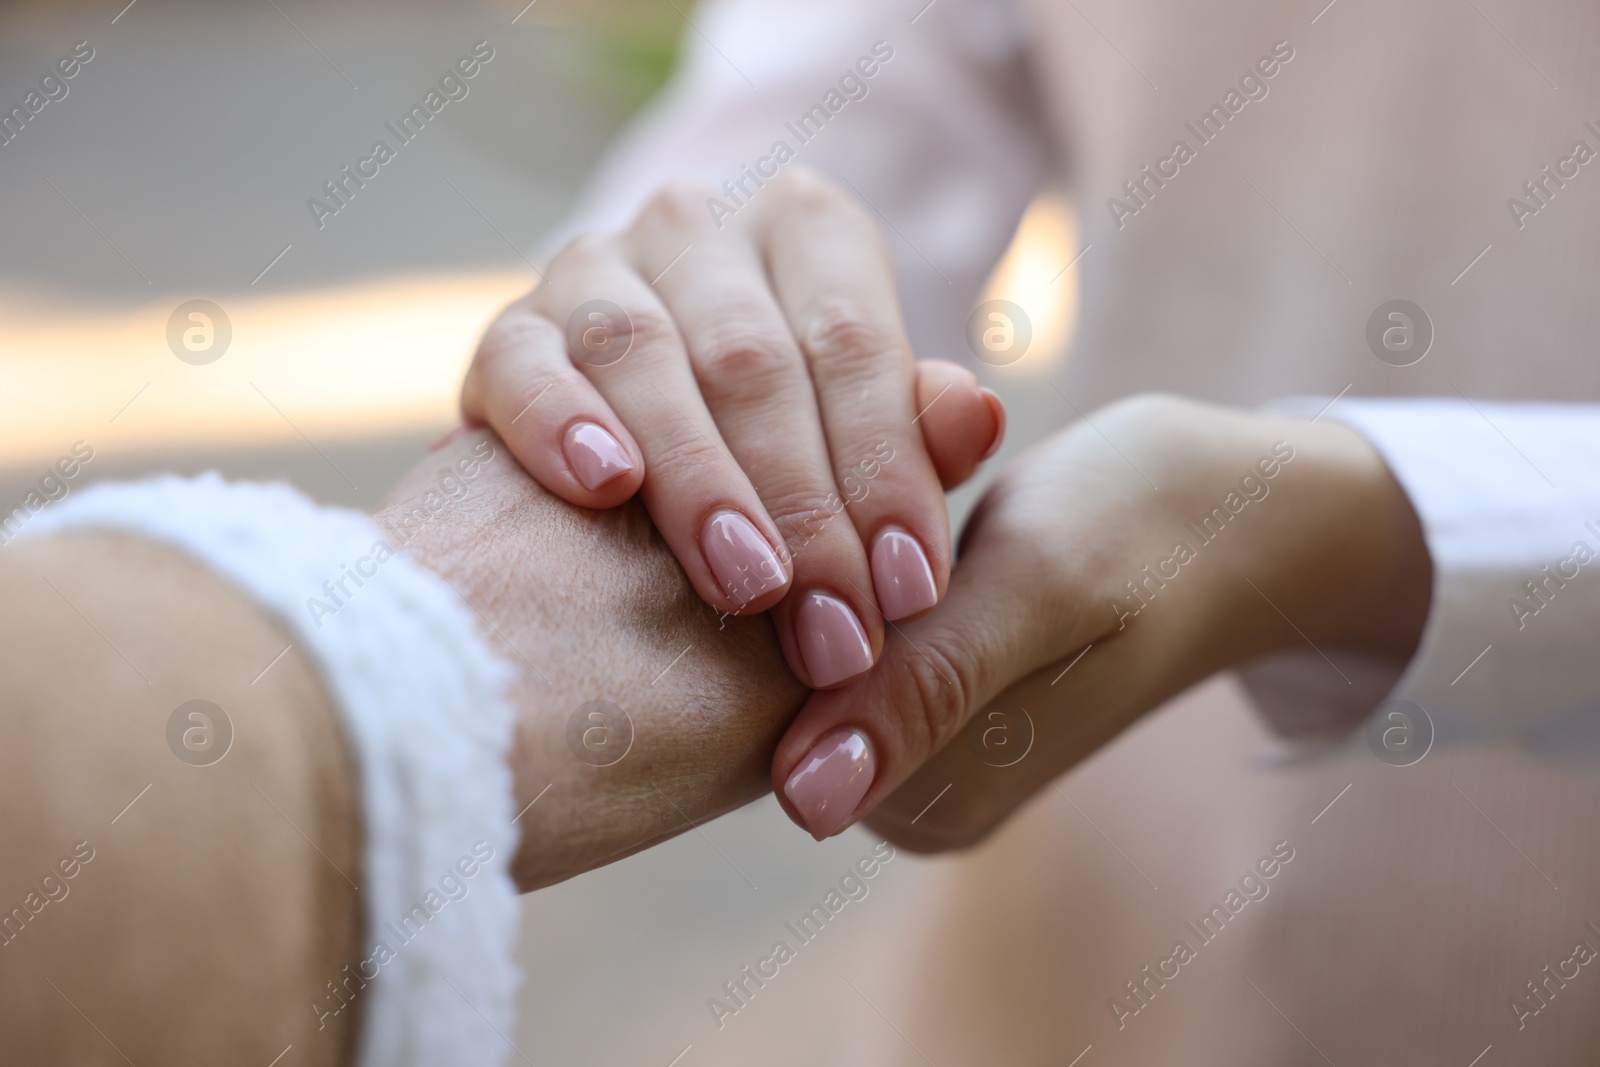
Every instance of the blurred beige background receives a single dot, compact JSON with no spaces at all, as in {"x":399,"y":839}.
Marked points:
{"x":178,"y":167}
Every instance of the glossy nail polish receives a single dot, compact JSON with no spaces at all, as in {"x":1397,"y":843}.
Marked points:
{"x":594,"y":455}
{"x":901,"y":576}
{"x":741,"y":560}
{"x":830,"y":781}
{"x":833,"y":643}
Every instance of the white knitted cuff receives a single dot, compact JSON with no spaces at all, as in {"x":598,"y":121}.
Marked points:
{"x":423,"y":704}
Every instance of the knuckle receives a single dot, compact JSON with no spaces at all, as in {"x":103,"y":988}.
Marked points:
{"x":809,"y":189}
{"x":844,"y":335}
{"x":516,"y":399}
{"x":584,"y":249}
{"x":1158,"y":430}
{"x":651,"y":326}
{"x":511,"y":339}
{"x":804,"y":513}
{"x":676,"y":205}
{"x":1147,"y":410}
{"x":813,"y":195}
{"x":738,"y":362}
{"x":941,"y":689}
{"x":683,"y":456}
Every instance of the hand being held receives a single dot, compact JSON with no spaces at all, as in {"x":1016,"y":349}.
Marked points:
{"x":752,"y":383}
{"x":1144,"y":566}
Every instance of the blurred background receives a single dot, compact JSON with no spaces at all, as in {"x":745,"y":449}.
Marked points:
{"x":178,"y":167}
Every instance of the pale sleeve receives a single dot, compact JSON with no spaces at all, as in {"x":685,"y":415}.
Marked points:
{"x":1508,"y":495}
{"x":943,"y":142}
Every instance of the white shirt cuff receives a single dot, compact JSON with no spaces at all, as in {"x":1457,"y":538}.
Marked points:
{"x":1508,"y":495}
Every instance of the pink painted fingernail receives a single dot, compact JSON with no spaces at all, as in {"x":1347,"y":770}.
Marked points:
{"x":828,"y":784}
{"x":594,"y":455}
{"x":901,"y":576}
{"x":740,"y":558}
{"x":998,"y":410}
{"x":832,"y":641}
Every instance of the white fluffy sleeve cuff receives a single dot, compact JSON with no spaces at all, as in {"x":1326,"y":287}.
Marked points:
{"x":423,"y":704}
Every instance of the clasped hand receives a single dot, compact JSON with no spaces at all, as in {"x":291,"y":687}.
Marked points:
{"x":768,"y":413}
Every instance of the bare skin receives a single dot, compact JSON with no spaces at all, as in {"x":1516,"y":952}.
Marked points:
{"x":591,"y":605}
{"x":1332,"y":554}
{"x":748,"y":367}
{"x":752,"y":373}
{"x":256,"y":858}
{"x":215,"y":909}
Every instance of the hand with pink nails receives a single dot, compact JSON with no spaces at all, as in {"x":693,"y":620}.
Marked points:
{"x":750,"y":380}
{"x":1095,"y":581}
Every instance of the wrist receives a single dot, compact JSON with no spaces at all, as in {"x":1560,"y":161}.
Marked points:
{"x":1378,"y":571}
{"x":1343,"y":558}
{"x":589,"y":606}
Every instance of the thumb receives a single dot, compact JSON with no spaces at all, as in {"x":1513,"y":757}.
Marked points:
{"x":849,"y":748}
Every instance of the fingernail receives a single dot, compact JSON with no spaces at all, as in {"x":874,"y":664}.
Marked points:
{"x":448,"y":436}
{"x":828,"y":784}
{"x":832,"y":641}
{"x":901,"y":575}
{"x":998,"y":410}
{"x":740,"y":558}
{"x":594,"y":455}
